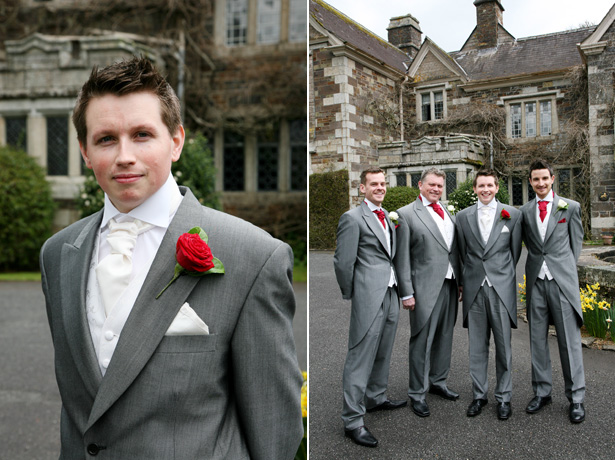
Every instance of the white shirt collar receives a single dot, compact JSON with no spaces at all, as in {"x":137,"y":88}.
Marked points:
{"x":372,"y":207}
{"x":156,"y":210}
{"x":548,"y":198}
{"x":493,"y":204}
{"x":426,"y":202}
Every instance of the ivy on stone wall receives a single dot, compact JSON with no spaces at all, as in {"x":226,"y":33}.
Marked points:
{"x":329,"y":199}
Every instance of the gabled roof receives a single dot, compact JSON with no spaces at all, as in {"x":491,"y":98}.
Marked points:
{"x":348,"y":31}
{"x":524,"y":56}
{"x":593,"y":43}
{"x":429,"y":47}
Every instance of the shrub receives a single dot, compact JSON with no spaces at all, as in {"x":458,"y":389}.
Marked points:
{"x":597,"y":313}
{"x":26,"y":210}
{"x":463,"y":196}
{"x":398,"y":197}
{"x":194,"y":169}
{"x":329,"y":199}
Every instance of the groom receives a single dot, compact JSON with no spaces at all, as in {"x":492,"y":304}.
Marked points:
{"x":207,"y":368}
{"x":489,"y":236}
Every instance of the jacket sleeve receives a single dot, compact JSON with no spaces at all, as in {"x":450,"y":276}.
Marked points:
{"x":576,"y":230}
{"x":403,"y":257}
{"x":348,"y":235}
{"x":266,"y":375}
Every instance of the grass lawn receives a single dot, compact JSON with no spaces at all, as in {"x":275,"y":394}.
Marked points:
{"x":20,"y":276}
{"x":299,"y":275}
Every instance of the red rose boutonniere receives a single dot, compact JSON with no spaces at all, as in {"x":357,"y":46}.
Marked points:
{"x":194,"y":257}
{"x":505,"y":215}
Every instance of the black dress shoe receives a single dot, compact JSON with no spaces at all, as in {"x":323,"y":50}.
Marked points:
{"x":362,"y":437}
{"x":576,"y":412}
{"x":444,"y":393}
{"x":476,"y":407}
{"x":420,"y":408}
{"x":537,"y":403}
{"x":504,"y":410}
{"x":389,"y":404}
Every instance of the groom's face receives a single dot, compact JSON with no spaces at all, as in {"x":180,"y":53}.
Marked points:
{"x":129,"y":147}
{"x":486,"y":188}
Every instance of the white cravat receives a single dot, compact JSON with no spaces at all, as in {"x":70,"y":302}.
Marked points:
{"x":114,"y":271}
{"x":485,"y":222}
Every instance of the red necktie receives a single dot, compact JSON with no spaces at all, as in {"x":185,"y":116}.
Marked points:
{"x":436,"y":207}
{"x":380,"y":214}
{"x":542,"y":207}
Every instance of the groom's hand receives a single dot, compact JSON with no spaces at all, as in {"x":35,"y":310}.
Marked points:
{"x":408,"y":304}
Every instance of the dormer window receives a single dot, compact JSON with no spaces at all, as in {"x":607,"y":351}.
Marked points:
{"x":433,"y":105}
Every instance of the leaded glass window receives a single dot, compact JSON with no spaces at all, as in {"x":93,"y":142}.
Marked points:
{"x":267,"y":157}
{"x":297,"y":21}
{"x":515,"y":120}
{"x":438,"y":105}
{"x":234,"y":162}
{"x":298,"y":152}
{"x":236,"y":22}
{"x":530,"y":119}
{"x":545,"y":118}
{"x":16,"y":132}
{"x":57,"y":145}
{"x":269,"y":21}
{"x":451,"y":182}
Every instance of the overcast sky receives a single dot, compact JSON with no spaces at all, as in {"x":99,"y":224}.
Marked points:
{"x":449,"y":22}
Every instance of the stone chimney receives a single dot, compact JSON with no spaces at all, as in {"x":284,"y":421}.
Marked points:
{"x":488,"y":17}
{"x":405,"y":33}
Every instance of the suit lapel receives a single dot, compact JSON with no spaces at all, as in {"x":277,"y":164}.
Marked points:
{"x":375,"y":226}
{"x":150,"y":317}
{"x":553,"y":217}
{"x":75,"y":264}
{"x":531,"y":218}
{"x":423,"y":214}
{"x":393,"y":236}
{"x":496,"y":228}
{"x":475,"y":225}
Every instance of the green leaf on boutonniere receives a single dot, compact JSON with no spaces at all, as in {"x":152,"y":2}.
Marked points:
{"x":561,"y":204}
{"x":194,"y":257}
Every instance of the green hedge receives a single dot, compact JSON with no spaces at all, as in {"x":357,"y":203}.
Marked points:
{"x":26,"y":210}
{"x":398,"y":197}
{"x":329,"y":199}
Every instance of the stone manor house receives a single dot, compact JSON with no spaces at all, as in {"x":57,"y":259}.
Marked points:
{"x":223,"y":58}
{"x":499,"y":100}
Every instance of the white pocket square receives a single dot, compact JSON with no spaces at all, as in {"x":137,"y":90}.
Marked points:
{"x":505,"y":229}
{"x":187,"y":322}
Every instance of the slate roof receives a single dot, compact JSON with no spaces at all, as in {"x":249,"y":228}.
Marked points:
{"x":356,"y":35}
{"x":542,"y":53}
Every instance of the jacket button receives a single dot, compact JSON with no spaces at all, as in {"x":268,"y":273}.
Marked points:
{"x":93,"y":449}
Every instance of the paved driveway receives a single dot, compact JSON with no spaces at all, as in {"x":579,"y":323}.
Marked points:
{"x":448,"y":433}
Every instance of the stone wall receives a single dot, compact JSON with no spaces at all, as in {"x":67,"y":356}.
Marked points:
{"x":601,"y":82}
{"x":348,"y":97}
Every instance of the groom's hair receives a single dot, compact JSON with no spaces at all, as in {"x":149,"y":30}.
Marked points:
{"x":127,"y":77}
{"x":486,"y":172}
{"x":370,"y":170}
{"x":540,"y":164}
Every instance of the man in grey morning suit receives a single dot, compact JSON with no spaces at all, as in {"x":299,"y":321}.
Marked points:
{"x":427,"y":264}
{"x":553,"y":235}
{"x":363,"y":263}
{"x":489,"y":236}
{"x":206,"y":370}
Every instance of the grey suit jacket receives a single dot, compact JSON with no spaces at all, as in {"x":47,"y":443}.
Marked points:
{"x":234,"y":393}
{"x":422,"y":260}
{"x":362,"y":265}
{"x":496,"y":259}
{"x":561,"y":248}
